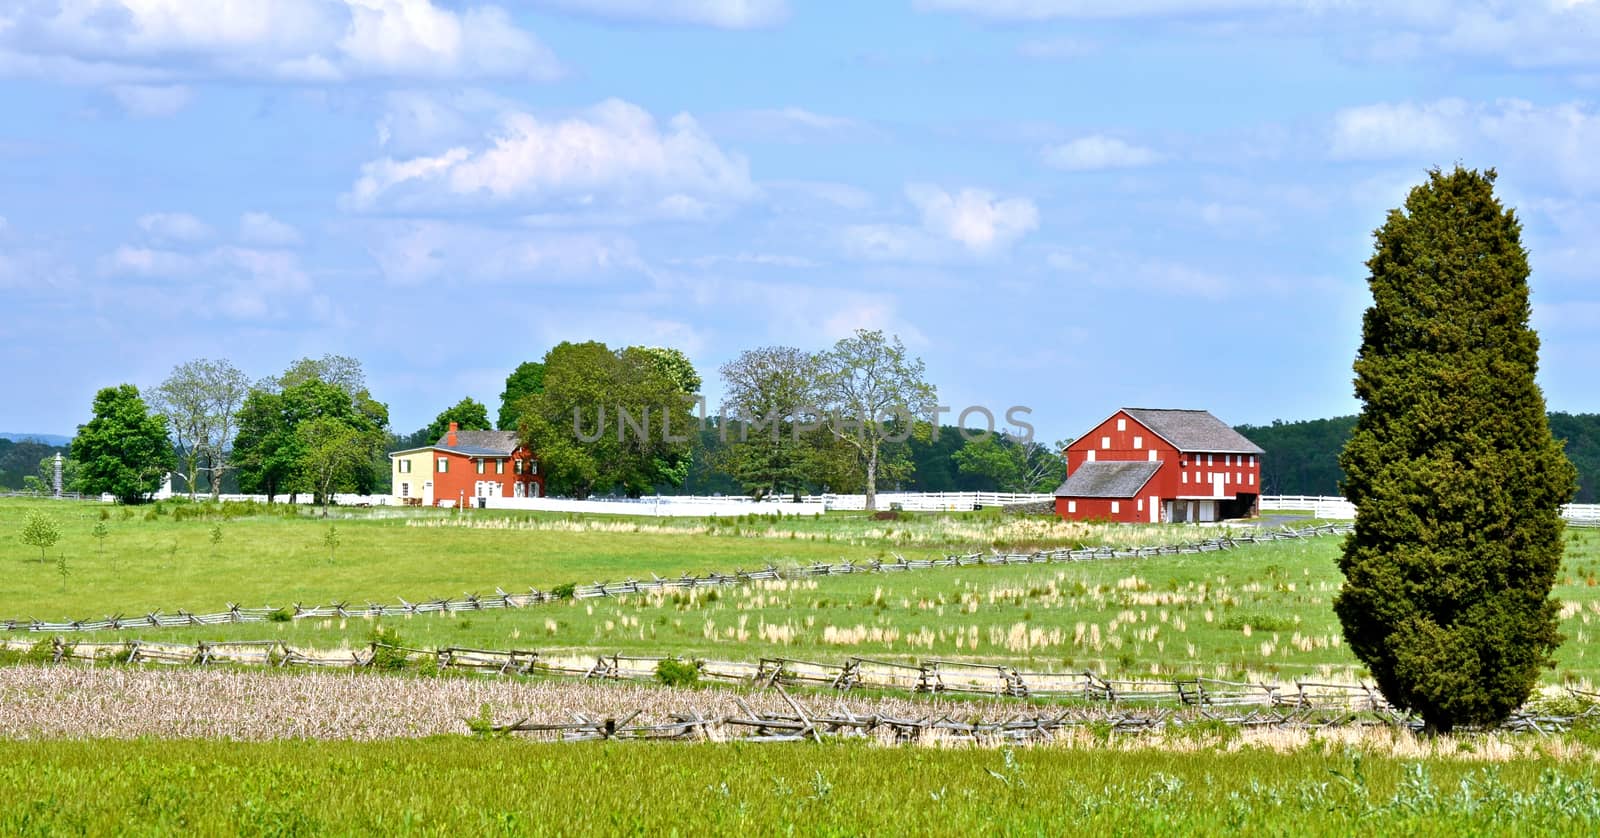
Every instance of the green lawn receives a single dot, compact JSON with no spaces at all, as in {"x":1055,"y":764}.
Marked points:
{"x":454,"y":786}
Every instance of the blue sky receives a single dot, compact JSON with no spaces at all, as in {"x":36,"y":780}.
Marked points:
{"x":1063,"y":204}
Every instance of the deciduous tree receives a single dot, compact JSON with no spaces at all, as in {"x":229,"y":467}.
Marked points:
{"x":124,"y":450}
{"x":524,"y":381}
{"x":1455,"y":477}
{"x":468,"y":414}
{"x":873,"y":391}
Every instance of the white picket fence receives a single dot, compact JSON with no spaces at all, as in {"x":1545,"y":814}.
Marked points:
{"x":1339,"y":509}
{"x":929,"y":501}
{"x":1329,"y":508}
{"x":666,"y":506}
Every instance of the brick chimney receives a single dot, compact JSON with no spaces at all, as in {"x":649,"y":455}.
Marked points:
{"x":450,"y":438}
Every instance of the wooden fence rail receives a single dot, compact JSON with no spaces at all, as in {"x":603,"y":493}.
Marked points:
{"x":1126,"y":704}
{"x":502,"y":599}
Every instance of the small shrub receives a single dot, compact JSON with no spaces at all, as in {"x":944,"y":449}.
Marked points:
{"x":282,"y":615}
{"x":565,"y":590}
{"x":387,"y":654}
{"x":677,"y":673}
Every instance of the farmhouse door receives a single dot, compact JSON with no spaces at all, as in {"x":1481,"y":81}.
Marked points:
{"x":427,"y":493}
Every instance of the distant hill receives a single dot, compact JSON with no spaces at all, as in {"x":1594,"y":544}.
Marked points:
{"x":47,"y":439}
{"x":1303,"y":457}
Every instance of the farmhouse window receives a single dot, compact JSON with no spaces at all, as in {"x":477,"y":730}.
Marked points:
{"x":1252,"y":478}
{"x":444,"y":465}
{"x":516,"y":466}
{"x":533,"y":466}
{"x":480,"y":465}
{"x":1186,"y":478}
{"x":499,"y":466}
{"x":403,"y":466}
{"x":1252,"y":460}
{"x":405,"y":490}
{"x":1211,"y":459}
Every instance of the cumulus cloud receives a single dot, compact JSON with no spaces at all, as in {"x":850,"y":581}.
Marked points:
{"x":174,"y":226}
{"x":261,"y":228}
{"x":1387,"y":130}
{"x":975,"y":218}
{"x":720,"y":14}
{"x":1096,"y":152}
{"x":133,"y":41}
{"x":614,"y":153}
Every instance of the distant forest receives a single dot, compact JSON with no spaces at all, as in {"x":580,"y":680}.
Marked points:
{"x":1303,"y":457}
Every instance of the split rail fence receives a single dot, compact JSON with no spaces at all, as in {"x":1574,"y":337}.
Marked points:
{"x":502,"y":599}
{"x":1123,"y":705}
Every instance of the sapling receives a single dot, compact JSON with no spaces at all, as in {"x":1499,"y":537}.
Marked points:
{"x":41,"y":531}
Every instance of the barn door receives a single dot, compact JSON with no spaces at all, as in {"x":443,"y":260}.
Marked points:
{"x":1155,"y":509}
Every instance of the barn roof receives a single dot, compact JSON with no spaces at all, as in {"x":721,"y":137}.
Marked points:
{"x":486,"y":443}
{"x":1193,"y":430}
{"x":1108,"y":479}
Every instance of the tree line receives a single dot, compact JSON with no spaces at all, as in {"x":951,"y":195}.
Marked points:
{"x":1303,"y":457}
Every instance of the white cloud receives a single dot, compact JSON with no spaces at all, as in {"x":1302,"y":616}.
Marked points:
{"x":1121,"y":270}
{"x":791,"y":125}
{"x":152,"y":100}
{"x":973,"y":217}
{"x":411,"y":253}
{"x":721,"y":14}
{"x":1550,"y":144}
{"x":98,"y":41}
{"x":1520,"y":33}
{"x":614,"y":153}
{"x":1403,"y":129}
{"x":261,"y":228}
{"x":174,"y":226}
{"x":1096,"y":152}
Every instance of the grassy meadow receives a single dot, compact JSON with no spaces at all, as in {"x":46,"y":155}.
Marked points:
{"x":502,"y":787}
{"x":162,"y":555}
{"x":1261,"y":611}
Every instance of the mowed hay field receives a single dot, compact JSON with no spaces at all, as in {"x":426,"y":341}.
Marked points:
{"x":459,"y":786}
{"x":1260,"y":611}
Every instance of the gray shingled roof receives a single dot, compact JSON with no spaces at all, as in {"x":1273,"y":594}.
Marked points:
{"x":486,"y":443}
{"x":1194,"y":430}
{"x":1108,"y":479}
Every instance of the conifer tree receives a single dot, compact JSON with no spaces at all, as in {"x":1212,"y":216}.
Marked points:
{"x":1456,"y":479}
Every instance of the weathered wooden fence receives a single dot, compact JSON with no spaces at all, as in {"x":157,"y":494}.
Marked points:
{"x":1083,"y":698}
{"x":534,"y":596}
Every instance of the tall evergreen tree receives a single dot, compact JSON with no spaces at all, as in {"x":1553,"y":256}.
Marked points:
{"x":1455,"y":477}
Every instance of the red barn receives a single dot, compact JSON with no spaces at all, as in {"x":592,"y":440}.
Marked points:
{"x":1152,"y":466}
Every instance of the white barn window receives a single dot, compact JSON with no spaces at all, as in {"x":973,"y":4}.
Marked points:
{"x":1072,"y":506}
{"x":1122,"y":424}
{"x":1152,"y":455}
{"x":1138,"y":442}
{"x":1186,"y":478}
{"x":1115,"y":507}
{"x":1105,"y":442}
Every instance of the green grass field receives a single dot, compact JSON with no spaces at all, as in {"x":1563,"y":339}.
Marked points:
{"x":1262,"y":611}
{"x":461,"y":786}
{"x":155,"y":558}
